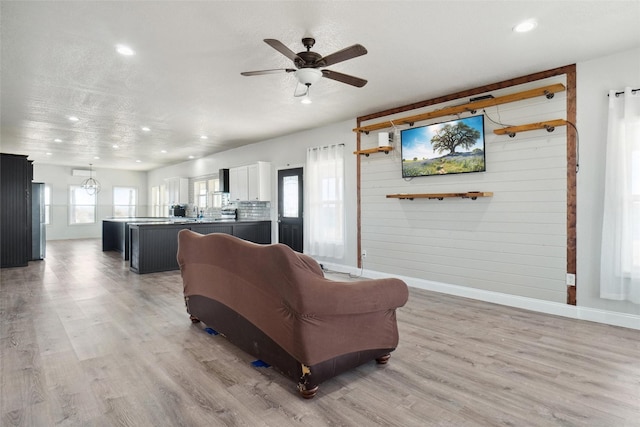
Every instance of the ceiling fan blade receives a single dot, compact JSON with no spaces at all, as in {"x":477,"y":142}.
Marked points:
{"x":280,"y":47}
{"x":344,"y":78}
{"x":344,"y":54}
{"x":273,"y":71}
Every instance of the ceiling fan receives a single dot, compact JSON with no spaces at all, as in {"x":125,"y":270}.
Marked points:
{"x":307,"y":63}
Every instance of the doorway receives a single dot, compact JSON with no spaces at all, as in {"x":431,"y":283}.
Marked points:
{"x":290,"y":208}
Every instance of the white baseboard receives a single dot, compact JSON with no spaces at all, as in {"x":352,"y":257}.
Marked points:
{"x":541,"y":306}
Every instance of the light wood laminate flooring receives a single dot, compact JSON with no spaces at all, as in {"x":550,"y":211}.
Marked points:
{"x":85,"y":342}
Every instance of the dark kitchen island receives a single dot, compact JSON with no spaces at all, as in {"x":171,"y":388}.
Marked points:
{"x":115,"y":233}
{"x":154,"y":245}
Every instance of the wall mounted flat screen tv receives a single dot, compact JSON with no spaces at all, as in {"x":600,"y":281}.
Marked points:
{"x":456,"y":146}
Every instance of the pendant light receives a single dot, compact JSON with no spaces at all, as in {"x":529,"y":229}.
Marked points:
{"x":91,"y":185}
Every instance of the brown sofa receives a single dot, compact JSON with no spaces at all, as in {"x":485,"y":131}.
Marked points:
{"x":276,"y":304}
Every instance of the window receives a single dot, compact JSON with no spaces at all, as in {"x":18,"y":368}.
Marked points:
{"x":325,"y":202}
{"x":205,"y":194}
{"x":82,"y":206}
{"x":620,"y":250}
{"x":155,"y":201}
{"x":290,"y":199}
{"x":159,"y":205}
{"x":200,"y":194}
{"x":47,"y":204}
{"x":125,"y":200}
{"x":634,"y":210}
{"x":216,"y":197}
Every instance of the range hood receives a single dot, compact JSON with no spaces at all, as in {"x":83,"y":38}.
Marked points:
{"x":223,"y":176}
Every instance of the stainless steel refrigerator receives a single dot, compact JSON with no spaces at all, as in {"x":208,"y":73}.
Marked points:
{"x":38,"y":227}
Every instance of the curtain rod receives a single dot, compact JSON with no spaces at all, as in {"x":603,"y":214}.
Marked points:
{"x":633,"y":91}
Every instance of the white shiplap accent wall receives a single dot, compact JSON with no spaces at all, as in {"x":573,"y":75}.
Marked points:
{"x":513,"y":242}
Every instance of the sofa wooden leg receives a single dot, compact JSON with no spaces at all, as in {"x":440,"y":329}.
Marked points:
{"x":383,"y":359}
{"x":307,"y":393}
{"x":194,"y":319}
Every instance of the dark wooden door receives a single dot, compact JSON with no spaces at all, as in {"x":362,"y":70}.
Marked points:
{"x":290,"y":212}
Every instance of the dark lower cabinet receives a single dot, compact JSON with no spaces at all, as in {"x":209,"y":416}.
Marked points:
{"x":115,"y":234}
{"x":154,"y":247}
{"x":252,"y":232}
{"x":213,"y":228}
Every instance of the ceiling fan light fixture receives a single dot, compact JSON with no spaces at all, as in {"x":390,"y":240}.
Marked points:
{"x":308,"y":76}
{"x":306,"y":99}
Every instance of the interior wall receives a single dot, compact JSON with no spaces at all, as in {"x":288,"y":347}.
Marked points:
{"x":463,"y":220}
{"x":283,"y":152}
{"x":594,"y":80}
{"x":514,"y":242}
{"x":59,"y":178}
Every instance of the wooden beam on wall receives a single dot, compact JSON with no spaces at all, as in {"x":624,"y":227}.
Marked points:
{"x":572,"y":189}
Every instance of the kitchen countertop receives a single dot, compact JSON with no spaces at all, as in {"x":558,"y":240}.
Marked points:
{"x":196,"y":221}
{"x":137,"y":219}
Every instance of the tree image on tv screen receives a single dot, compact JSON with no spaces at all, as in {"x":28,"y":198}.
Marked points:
{"x":452,"y":136}
{"x":446,"y":148}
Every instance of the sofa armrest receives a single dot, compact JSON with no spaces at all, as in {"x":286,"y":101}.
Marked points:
{"x":323,"y":297}
{"x":310,"y":263}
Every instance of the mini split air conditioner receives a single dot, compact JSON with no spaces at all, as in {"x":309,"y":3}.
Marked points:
{"x":80,"y":172}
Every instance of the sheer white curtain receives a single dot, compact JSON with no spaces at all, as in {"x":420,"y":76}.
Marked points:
{"x":620,"y":256}
{"x":324,"y":195}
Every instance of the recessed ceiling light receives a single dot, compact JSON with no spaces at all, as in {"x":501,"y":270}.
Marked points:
{"x":145,"y":129}
{"x":49,"y":154}
{"x":138,"y":161}
{"x":124,"y":50}
{"x":57,"y":140}
{"x":192,"y":157}
{"x":204,"y":137}
{"x":96,"y":158}
{"x":525,"y":26}
{"x":163,"y":151}
{"x":73,"y":118}
{"x":115,"y":146}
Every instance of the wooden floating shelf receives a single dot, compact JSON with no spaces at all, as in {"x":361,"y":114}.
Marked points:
{"x":548,"y":125}
{"x":471,"y":107}
{"x":440,"y":196}
{"x":368,"y":151}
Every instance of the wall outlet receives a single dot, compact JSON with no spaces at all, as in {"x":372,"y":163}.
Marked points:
{"x":364,"y":253}
{"x":571,"y":279}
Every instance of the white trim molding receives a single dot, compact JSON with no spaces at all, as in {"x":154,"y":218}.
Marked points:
{"x":548,"y":307}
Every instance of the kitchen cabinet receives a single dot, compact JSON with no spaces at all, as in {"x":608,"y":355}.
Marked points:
{"x":177,"y":190}
{"x":115,"y":233}
{"x":251,"y":182}
{"x":154,"y":246}
{"x":239,"y":183}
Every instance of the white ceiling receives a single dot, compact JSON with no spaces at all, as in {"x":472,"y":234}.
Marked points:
{"x":59,"y":59}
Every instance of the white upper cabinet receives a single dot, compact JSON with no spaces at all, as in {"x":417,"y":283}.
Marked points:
{"x":239,"y":183}
{"x":252,"y":182}
{"x":177,"y":190}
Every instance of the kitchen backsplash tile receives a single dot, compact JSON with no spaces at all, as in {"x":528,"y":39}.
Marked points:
{"x":254,"y":210}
